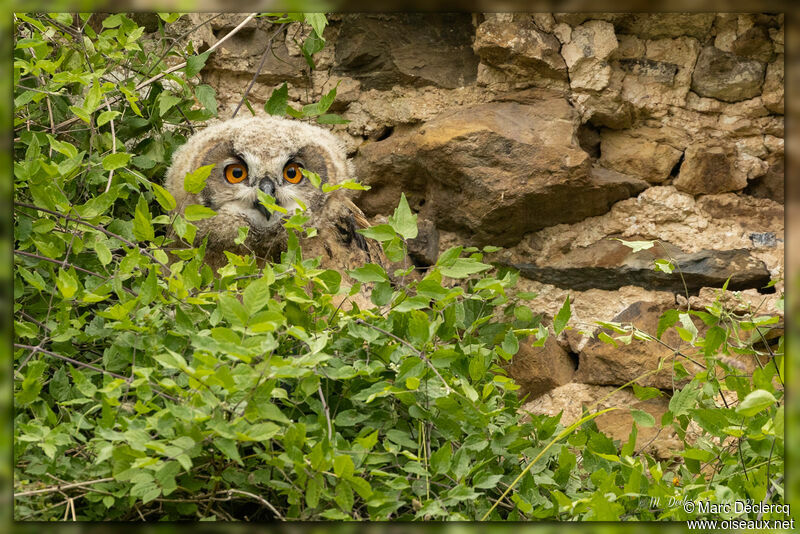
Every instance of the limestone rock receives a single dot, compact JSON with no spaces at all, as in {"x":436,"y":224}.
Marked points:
{"x":640,"y":156}
{"x":570,"y":399}
{"x":539,"y":369}
{"x":492,"y":172}
{"x":520,"y":49}
{"x":410,"y":48}
{"x":774,"y":86}
{"x":754,"y":44}
{"x":661,"y":25}
{"x":586,"y":53}
{"x":606,"y":364}
{"x":710,"y":170}
{"x":424,"y":249}
{"x":608,"y":264}
{"x":661,"y":77}
{"x":726,"y":76}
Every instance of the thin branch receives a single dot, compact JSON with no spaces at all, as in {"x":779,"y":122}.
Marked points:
{"x":70,"y":360}
{"x":258,"y":70}
{"x":170,"y":70}
{"x":260,"y":499}
{"x":412,"y":347}
{"x":98,"y":228}
{"x":64,"y":264}
{"x":113,"y":144}
{"x":60,"y":487}
{"x":327,"y":413}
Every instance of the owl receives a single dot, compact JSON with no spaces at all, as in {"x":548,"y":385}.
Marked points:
{"x":269,"y":154}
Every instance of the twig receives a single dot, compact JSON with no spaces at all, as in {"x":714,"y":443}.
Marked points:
{"x":327,"y":413}
{"x":113,"y":144}
{"x":258,"y":70}
{"x":260,"y":499}
{"x":98,"y":228}
{"x":412,"y":347}
{"x":170,"y":70}
{"x":60,"y":487}
{"x":70,"y":360}
{"x":64,"y":264}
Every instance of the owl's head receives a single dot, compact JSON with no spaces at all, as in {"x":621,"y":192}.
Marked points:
{"x":256,"y":154}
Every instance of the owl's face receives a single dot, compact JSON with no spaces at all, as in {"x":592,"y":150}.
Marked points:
{"x":256,"y":154}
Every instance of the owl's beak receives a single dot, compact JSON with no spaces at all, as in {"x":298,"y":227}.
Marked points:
{"x":267,"y":186}
{"x":260,"y":207}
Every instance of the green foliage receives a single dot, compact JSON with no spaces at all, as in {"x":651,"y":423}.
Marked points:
{"x":146,"y":385}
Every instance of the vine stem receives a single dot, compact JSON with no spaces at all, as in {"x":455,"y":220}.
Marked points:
{"x":563,"y":434}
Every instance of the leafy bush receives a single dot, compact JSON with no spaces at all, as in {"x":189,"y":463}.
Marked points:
{"x":150,"y":389}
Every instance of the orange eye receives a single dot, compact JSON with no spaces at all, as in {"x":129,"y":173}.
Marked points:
{"x":293,"y":173}
{"x":235,"y":173}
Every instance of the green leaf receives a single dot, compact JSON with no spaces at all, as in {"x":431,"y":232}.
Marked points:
{"x":318,"y":21}
{"x":645,"y":393}
{"x":715,"y":337}
{"x":562,"y":317}
{"x":637,"y":246}
{"x":642,"y":418}
{"x":440,"y":460}
{"x":67,"y":283}
{"x":277,"y":103}
{"x":510,"y":343}
{"x":256,"y":295}
{"x":682,"y":401}
{"x":196,"y":212}
{"x":116,"y":160}
{"x":206,"y":95}
{"x":166,"y":101}
{"x":667,"y":319}
{"x":107,"y":116}
{"x":463,"y":267}
{"x":343,"y":466}
{"x":229,"y":449}
{"x":233,"y":310}
{"x":195,"y":181}
{"x":369,"y":273}
{"x":332,"y":118}
{"x":380,"y":232}
{"x":196,"y":63}
{"x":142,"y":222}
{"x":403,"y":221}
{"x":754,"y":402}
{"x":164,"y":197}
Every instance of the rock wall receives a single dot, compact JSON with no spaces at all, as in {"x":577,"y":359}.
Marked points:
{"x":549,"y":134}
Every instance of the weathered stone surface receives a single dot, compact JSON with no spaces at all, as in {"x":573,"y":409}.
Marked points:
{"x":726,"y":76}
{"x":520,"y":49}
{"x":660,"y":25}
{"x":772,"y":184}
{"x":608,"y":264}
{"x":571,"y":399}
{"x":540,"y":369}
{"x":586,"y":53}
{"x":774,"y":86}
{"x":424,"y":249}
{"x":492,"y":172}
{"x":640,"y":156}
{"x":411,"y":49}
{"x":650,"y":84}
{"x":709,"y":170}
{"x":754,"y":44}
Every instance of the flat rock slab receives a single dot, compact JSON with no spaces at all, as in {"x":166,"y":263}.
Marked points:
{"x":492,"y":172}
{"x":608,"y":264}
